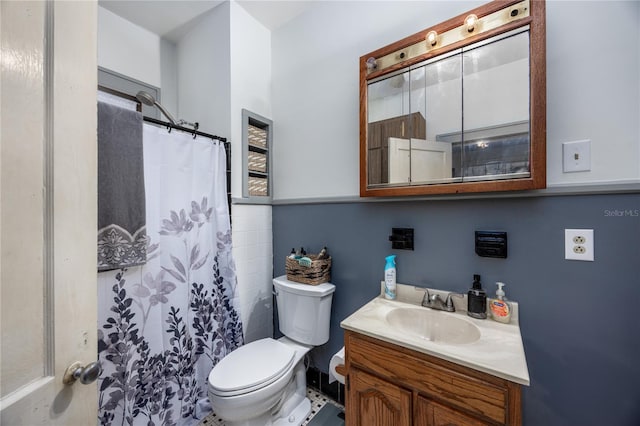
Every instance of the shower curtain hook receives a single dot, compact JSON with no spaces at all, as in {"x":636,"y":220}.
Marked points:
{"x":194,"y":133}
{"x":169,"y":128}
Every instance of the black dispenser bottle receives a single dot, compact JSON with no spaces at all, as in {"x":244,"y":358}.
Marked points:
{"x":477,"y":300}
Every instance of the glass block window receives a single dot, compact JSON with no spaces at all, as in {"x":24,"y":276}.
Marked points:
{"x":256,"y":135}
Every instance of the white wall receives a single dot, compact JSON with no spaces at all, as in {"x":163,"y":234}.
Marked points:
{"x":315,"y":87}
{"x":250,"y":59}
{"x":204,"y":91}
{"x":127,"y":48}
{"x":133,"y":51}
{"x":169,"y":76}
{"x":253,"y":254}
{"x":592,"y":88}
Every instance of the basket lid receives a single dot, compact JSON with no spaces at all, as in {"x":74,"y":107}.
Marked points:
{"x":320,"y":290}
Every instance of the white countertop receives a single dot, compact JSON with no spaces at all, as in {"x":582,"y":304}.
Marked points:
{"x":499,"y":351}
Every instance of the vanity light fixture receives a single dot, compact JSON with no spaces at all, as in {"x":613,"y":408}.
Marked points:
{"x":432,"y":38}
{"x":471,"y":21}
{"x":441,"y":37}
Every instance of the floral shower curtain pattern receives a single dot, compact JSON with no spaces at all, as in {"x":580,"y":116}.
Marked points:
{"x":164,"y":325}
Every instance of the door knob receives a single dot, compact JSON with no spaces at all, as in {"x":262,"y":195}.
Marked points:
{"x":87,"y":374}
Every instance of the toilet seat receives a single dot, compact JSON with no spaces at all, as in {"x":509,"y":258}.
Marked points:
{"x":251,"y":367}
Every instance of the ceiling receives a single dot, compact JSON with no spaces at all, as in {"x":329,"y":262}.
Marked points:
{"x":171,"y":18}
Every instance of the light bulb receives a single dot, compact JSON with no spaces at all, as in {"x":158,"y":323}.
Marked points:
{"x":371,"y":64}
{"x":432,"y":38}
{"x":470,"y":21}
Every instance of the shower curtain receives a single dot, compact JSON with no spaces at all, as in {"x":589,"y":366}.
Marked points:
{"x":164,"y":325}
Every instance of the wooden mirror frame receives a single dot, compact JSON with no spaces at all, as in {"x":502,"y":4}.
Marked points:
{"x":537,"y":100}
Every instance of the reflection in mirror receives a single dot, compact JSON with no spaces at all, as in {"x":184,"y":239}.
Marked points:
{"x":461,"y":117}
{"x":495,"y":140}
{"x":437,"y":92}
{"x":389,"y":123}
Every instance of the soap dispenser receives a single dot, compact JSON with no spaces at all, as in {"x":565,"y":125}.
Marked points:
{"x":477,"y":300}
{"x":499,"y":307}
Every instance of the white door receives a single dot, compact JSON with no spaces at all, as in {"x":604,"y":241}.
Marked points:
{"x":430,"y":161}
{"x":48,"y":211}
{"x":424,"y":161}
{"x":399,"y":160}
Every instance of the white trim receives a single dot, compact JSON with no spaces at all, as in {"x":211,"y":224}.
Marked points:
{"x":631,"y":187}
{"x":48,"y":248}
{"x":25,"y":391}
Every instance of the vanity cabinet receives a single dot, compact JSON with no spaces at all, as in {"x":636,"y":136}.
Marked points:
{"x":432,"y":413}
{"x":378,"y":401}
{"x":392,"y":385}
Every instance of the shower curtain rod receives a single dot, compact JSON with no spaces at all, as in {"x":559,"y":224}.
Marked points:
{"x":160,"y":122}
{"x":185,"y":129}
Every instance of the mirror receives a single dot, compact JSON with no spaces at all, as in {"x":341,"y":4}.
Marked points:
{"x":453,"y":110}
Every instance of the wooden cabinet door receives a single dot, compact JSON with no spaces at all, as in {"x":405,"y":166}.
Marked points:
{"x":375,"y":402}
{"x":429,"y":413}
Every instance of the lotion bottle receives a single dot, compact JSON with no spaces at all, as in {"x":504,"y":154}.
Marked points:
{"x":499,"y":307}
{"x":390,"y":277}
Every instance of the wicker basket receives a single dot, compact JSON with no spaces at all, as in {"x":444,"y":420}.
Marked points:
{"x":319,"y":272}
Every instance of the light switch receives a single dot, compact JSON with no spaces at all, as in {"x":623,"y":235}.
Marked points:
{"x":576,"y":156}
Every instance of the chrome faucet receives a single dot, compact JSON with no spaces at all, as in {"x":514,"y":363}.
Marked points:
{"x":434,"y":301}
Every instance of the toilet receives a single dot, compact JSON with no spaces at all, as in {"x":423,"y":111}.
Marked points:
{"x":263,"y":383}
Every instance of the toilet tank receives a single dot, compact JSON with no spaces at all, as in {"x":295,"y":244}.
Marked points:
{"x":304,"y":310}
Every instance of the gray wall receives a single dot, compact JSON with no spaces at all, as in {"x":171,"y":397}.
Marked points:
{"x":578,"y":319}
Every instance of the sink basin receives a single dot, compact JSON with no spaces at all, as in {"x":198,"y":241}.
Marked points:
{"x":433,"y":325}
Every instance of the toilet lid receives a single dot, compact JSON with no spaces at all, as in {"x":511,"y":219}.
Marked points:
{"x":251,"y":366}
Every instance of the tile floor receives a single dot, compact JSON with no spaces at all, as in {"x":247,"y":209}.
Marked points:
{"x":317,"y":399}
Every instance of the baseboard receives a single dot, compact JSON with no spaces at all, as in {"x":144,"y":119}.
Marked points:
{"x":320,"y":381}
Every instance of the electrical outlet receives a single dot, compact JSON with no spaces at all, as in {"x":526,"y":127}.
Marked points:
{"x":579,"y":249}
{"x":578,"y":244}
{"x":579,"y":239}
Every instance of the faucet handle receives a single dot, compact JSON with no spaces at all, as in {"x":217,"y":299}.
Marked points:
{"x":449,"y":303}
{"x":426,"y":297}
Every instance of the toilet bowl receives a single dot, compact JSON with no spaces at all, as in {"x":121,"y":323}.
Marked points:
{"x":270,"y":380}
{"x":263,"y":383}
